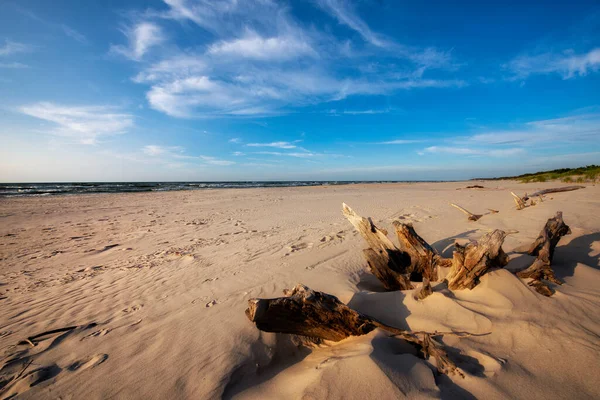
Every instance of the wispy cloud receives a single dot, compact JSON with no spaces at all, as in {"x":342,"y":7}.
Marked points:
{"x":572,"y":129}
{"x":216,"y":161}
{"x":155,"y":150}
{"x":141,"y":37}
{"x":343,"y":12}
{"x":84,"y":123}
{"x":13,"y":65}
{"x":235,"y":140}
{"x":73,"y":34}
{"x":279,"y":145}
{"x":567,"y":64}
{"x":307,"y":154}
{"x":254,"y":46}
{"x":338,"y":113}
{"x":9,"y":47}
{"x":401,"y":141}
{"x":468,"y":151}
{"x":260,"y":61}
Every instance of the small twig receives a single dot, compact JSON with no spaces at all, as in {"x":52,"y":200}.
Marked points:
{"x":471,"y":216}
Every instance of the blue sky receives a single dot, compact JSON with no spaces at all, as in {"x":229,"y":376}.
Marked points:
{"x":278,"y":90}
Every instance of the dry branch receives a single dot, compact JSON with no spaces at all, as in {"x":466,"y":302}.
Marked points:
{"x":322,"y":316}
{"x":519,"y":201}
{"x":473,"y":260}
{"x":470,"y":215}
{"x":552,"y":190}
{"x":543,"y":248}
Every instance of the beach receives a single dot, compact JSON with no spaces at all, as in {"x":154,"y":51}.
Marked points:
{"x":154,"y":286}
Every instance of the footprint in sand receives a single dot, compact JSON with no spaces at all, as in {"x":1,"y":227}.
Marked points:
{"x":88,"y":362}
{"x":298,"y":246}
{"x":23,"y":381}
{"x":133,"y":308}
{"x":101,"y":332}
{"x":332,"y":237}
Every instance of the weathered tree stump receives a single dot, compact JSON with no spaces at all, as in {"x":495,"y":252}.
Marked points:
{"x":473,"y":260}
{"x":424,"y":260}
{"x":381,"y":264}
{"x":322,"y":316}
{"x":388,"y":263}
{"x":543,"y":248}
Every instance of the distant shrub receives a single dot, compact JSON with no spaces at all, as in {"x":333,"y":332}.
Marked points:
{"x":567,"y":179}
{"x":540,"y":178}
{"x":580,"y":179}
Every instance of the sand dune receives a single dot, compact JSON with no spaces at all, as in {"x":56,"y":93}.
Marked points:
{"x":153,"y":287}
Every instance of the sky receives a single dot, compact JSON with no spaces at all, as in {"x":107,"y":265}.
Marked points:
{"x":212,"y":90}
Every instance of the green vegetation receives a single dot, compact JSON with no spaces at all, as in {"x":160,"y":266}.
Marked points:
{"x":580,"y":175}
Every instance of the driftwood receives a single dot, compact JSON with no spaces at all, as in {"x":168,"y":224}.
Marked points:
{"x":552,"y":190}
{"x":388,"y":263}
{"x":543,"y":248}
{"x":470,"y":215}
{"x":519,"y":201}
{"x":321,"y":316}
{"x":424,"y":260}
{"x":396,"y":266}
{"x":473,"y":260}
{"x":424,"y":291}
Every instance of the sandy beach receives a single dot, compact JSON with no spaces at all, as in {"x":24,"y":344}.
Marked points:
{"x":156,"y":285}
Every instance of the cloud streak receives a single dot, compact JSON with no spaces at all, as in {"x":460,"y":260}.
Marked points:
{"x":86,"y":124}
{"x":567,"y":64}
{"x":279,"y":145}
{"x":141,"y":38}
{"x":9,"y":48}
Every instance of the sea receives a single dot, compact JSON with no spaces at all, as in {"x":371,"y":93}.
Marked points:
{"x":54,"y":189}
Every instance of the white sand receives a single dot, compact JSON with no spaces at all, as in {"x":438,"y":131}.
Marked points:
{"x":169,"y":298}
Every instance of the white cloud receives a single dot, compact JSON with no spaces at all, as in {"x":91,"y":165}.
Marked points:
{"x":238,"y":153}
{"x":141,"y":37}
{"x":279,"y":145}
{"x":11,"y":47}
{"x":467,"y":151}
{"x":401,"y":141}
{"x":73,"y":34}
{"x":253,"y":46}
{"x":84,"y":123}
{"x":342,"y":11}
{"x":235,"y":140}
{"x":155,"y":150}
{"x":567,"y":64}
{"x":336,"y":113}
{"x":216,"y":161}
{"x":14,"y":65}
{"x":307,"y":154}
{"x":260,"y":62}
{"x":572,"y":129}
